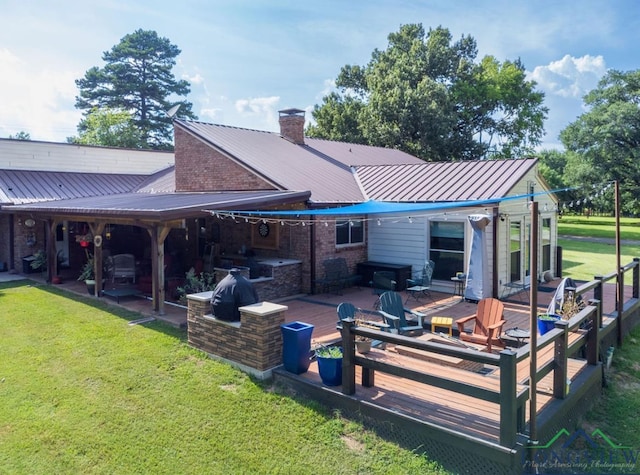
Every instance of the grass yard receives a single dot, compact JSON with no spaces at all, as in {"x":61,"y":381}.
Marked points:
{"x":616,"y":412}
{"x":82,"y":391}
{"x":583,"y":259}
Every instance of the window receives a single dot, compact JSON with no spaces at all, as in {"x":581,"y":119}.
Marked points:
{"x":349,"y":232}
{"x":546,"y":244}
{"x":446,"y":248}
{"x":514,"y":241}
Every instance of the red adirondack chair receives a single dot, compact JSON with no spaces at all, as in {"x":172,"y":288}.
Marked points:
{"x":488,"y":322}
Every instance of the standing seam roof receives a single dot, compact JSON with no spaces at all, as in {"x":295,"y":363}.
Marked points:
{"x":320,"y":166}
{"x":442,"y":181}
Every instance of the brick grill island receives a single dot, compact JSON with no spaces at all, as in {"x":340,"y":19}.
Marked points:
{"x":254,"y":344}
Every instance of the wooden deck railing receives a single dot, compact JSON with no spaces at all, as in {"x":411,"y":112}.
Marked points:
{"x":504,"y":391}
{"x":505,"y":387}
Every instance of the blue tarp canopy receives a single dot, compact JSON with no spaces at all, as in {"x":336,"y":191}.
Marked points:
{"x":368,"y":207}
{"x":381,"y":207}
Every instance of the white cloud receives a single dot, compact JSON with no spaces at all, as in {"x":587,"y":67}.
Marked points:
{"x":262,"y":110}
{"x":570,"y":77}
{"x":37,"y":101}
{"x":195,"y":79}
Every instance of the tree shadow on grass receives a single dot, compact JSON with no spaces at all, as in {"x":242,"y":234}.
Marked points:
{"x":129,"y":315}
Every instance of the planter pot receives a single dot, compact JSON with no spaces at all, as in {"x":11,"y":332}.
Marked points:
{"x":296,"y":346}
{"x":330,"y":370}
{"x":91,"y":286}
{"x":56,"y":279}
{"x":546,"y":323}
{"x":363,"y":346}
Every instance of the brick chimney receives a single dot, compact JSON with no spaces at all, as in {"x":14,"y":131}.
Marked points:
{"x":292,"y":125}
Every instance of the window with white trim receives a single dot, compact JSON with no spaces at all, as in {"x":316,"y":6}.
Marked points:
{"x":446,"y":248}
{"x":349,"y":231}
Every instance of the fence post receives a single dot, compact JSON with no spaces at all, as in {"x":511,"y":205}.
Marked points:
{"x":348,"y":357}
{"x":560,"y":373}
{"x":509,"y":416}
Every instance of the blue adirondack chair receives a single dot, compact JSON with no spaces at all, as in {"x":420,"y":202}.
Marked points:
{"x":395,"y":315}
{"x":348,"y":310}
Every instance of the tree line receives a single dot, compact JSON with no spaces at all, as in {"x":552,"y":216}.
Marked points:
{"x":426,"y":94}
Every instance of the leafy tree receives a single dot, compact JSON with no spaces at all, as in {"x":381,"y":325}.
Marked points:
{"x":607,"y":137}
{"x":427,"y":95}
{"x":137,"y":78}
{"x":109,"y":128}
{"x":21,"y":136}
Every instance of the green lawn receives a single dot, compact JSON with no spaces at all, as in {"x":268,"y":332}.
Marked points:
{"x":82,"y":391}
{"x":582,"y":260}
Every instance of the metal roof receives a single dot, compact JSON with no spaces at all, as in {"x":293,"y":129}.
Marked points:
{"x":24,"y":186}
{"x":321,"y":166}
{"x":442,"y":181}
{"x":160,"y":206}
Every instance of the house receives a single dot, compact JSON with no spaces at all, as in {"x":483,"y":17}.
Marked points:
{"x":280,"y":203}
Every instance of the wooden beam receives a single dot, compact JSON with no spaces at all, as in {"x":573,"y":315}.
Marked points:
{"x":97,"y":229}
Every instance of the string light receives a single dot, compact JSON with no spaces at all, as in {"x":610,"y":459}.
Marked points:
{"x":513,"y":207}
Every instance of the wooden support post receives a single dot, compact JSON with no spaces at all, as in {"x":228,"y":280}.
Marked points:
{"x":560,"y":373}
{"x":52,"y":256}
{"x":96,"y":230}
{"x":636,"y":278}
{"x":509,"y":414}
{"x":593,"y":341}
{"x":597,"y":291}
{"x":348,"y":357}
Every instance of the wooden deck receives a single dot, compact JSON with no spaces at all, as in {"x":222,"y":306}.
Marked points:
{"x":320,"y":310}
{"x":446,"y":412}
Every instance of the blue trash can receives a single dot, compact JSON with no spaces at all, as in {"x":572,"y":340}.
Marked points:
{"x":296,"y":346}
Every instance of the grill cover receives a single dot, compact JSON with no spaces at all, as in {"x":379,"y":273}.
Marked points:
{"x":232,"y":292}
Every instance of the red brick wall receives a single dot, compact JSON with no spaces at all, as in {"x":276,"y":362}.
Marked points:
{"x":199,"y":167}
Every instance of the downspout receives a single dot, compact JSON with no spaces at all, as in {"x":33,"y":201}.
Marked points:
{"x":312,"y":254}
{"x":495,"y":283}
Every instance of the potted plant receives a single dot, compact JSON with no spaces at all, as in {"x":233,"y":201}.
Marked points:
{"x":546,"y":322}
{"x":39,"y":261}
{"x":329,"y":360}
{"x":88,"y":275}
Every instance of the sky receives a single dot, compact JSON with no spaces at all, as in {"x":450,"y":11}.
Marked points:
{"x":247,"y":59}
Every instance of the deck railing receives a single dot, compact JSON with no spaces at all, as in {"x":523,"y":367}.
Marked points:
{"x":508,"y":394}
{"x":579,"y":337}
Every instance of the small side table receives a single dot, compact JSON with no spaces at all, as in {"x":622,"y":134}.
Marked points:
{"x":518,"y":334}
{"x":459,"y":285}
{"x":444,"y":322}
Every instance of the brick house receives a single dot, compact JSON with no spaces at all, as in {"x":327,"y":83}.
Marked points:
{"x":199,"y":207}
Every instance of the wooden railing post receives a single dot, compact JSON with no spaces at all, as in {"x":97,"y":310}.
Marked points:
{"x":560,"y":373}
{"x":348,"y":357}
{"x":598,"y":289}
{"x":509,"y":414}
{"x":593,"y":340}
{"x":636,"y":277}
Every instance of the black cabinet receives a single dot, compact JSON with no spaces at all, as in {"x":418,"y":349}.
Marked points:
{"x":402,"y":272}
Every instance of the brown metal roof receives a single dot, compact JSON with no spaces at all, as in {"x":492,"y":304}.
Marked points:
{"x":23,"y":186}
{"x":321,"y":166}
{"x":442,"y":181}
{"x":160,"y":206}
